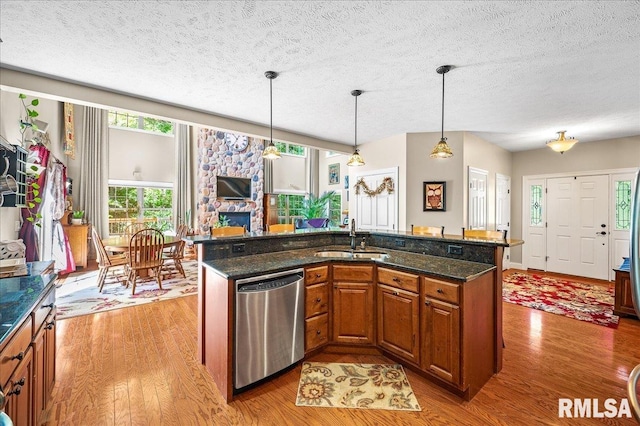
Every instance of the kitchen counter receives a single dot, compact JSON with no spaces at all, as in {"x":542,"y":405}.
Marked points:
{"x":234,"y":268}
{"x":19,"y":295}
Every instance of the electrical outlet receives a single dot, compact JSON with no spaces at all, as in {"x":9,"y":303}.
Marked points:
{"x":400,"y":243}
{"x":237,"y":248}
{"x":451,"y":249}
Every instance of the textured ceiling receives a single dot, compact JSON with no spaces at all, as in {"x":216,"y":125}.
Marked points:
{"x":523,"y":70}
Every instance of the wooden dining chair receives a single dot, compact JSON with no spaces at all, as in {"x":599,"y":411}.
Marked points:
{"x":145,"y":252}
{"x":174,"y":255}
{"x":227,"y":231}
{"x":281,"y":227}
{"x":132,"y":228}
{"x":427,"y":230}
{"x":483,"y":233}
{"x":107,"y":262}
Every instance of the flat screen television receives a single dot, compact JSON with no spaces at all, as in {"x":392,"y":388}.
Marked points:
{"x":231,"y":188}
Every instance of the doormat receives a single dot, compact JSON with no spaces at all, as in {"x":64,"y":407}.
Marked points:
{"x":77,"y":294}
{"x":581,"y":301}
{"x":367,"y":386}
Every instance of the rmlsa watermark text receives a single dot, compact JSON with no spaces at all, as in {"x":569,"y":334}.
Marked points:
{"x":593,"y":408}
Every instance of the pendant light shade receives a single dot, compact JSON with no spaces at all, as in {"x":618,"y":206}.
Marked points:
{"x":356,"y":158}
{"x":561,"y":144}
{"x":442,"y":149}
{"x":270,"y":151}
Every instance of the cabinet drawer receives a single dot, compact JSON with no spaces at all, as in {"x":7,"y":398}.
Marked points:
{"x":40,"y":313}
{"x":403,"y":280}
{"x":15,"y":350}
{"x":448,"y":292}
{"x":316,"y":300}
{"x":362,"y":273}
{"x":316,"y":275}
{"x":317,"y":331}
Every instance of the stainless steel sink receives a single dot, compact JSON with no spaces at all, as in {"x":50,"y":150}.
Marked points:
{"x":333,"y":253}
{"x":352,"y":255}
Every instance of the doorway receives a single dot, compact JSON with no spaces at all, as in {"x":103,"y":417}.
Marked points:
{"x":379,"y":212}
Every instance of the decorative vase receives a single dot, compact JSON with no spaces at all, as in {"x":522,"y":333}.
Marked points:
{"x":75,"y":221}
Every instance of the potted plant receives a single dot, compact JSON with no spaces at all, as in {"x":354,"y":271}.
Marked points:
{"x":76,"y":217}
{"x":315,"y":210}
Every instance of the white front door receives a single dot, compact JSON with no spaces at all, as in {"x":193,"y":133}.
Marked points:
{"x":503,"y":211}
{"x":477,"y":199}
{"x":578,"y":220}
{"x":379,"y":211}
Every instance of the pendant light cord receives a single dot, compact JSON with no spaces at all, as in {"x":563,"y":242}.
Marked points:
{"x":442,"y":127}
{"x":271,"y":109}
{"x":356,"y":127}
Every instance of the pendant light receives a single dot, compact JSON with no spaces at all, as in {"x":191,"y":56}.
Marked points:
{"x":561,"y":144}
{"x":442,"y":150}
{"x":271,"y":152}
{"x":356,"y":158}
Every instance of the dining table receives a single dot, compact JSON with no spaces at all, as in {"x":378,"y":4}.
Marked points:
{"x":120,"y":244}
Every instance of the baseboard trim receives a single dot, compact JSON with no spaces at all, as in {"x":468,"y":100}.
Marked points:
{"x":519,"y":266}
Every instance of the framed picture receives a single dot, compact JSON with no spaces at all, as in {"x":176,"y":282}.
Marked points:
{"x":334,"y":174}
{"x":434,"y":196}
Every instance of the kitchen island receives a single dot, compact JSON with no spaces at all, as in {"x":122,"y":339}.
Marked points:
{"x":448,"y":289}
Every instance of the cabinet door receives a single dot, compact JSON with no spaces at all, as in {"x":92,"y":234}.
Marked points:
{"x":49,"y":356}
{"x":353,"y":313}
{"x":441,"y":344}
{"x":398,"y":322}
{"x":19,"y":393}
{"x":316,"y":331}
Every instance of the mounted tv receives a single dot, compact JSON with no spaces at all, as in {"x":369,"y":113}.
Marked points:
{"x":234,"y":188}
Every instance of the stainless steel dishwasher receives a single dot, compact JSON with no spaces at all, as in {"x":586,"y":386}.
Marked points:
{"x":269,"y":326}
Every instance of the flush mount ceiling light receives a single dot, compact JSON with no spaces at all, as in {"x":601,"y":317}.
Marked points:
{"x":271,"y":152}
{"x":442,"y":150}
{"x":356,"y":158}
{"x":561,"y":144}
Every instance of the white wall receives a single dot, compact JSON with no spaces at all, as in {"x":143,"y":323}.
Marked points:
{"x":422,"y":168}
{"x":289,"y":174}
{"x":481,"y":154}
{"x":153,"y":155}
{"x":602,"y":155}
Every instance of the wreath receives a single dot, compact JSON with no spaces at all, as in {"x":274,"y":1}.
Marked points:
{"x":387,"y":183}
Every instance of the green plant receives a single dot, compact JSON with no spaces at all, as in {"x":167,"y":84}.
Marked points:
{"x":222,"y":222}
{"x":27,"y":122}
{"x":315,"y":207}
{"x":77,"y":214}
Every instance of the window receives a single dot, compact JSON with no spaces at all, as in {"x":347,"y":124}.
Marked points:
{"x":133,"y":121}
{"x":289,"y":207}
{"x":623,"y":205}
{"x":291,"y":149}
{"x":129,"y":204}
{"x":536,"y":205}
{"x":335,"y":210}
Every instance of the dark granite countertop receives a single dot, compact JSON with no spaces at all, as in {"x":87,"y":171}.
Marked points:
{"x":204,"y":239}
{"x":19,"y":296}
{"x":249,"y":266}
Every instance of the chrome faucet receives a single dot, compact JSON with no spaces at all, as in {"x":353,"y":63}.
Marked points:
{"x":352,"y":234}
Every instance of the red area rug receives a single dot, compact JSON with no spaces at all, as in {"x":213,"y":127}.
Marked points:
{"x":581,"y":301}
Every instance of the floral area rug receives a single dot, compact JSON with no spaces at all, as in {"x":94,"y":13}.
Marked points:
{"x":372,"y":386}
{"x":77,"y":294}
{"x":581,"y":301}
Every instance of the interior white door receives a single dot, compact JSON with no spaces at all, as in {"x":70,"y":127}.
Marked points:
{"x":503,"y":212}
{"x":622,"y":186}
{"x":380,"y":211}
{"x":534,"y":224}
{"x":577,"y":232}
{"x":477,"y":202}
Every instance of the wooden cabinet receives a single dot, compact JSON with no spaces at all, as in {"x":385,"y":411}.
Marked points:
{"x":270,"y":210}
{"x":316,"y":307}
{"x":353,"y":304}
{"x":398,"y":304}
{"x":441,"y":333}
{"x":27,"y":364}
{"x":623,"y":304}
{"x":78,"y":236}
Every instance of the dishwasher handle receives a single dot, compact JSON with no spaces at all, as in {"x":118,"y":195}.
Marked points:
{"x":269,"y":284}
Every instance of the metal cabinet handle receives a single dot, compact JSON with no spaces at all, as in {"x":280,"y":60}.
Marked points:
{"x":15,"y":391}
{"x":318,"y":332}
{"x":318,"y":275}
{"x":318,"y":300}
{"x":18,"y":357}
{"x":50,"y":325}
{"x":440,"y":291}
{"x":396,"y":279}
{"x":395,"y":293}
{"x":20,"y":382}
{"x":427,"y":302}
{"x":50,"y":306}
{"x":601,"y":233}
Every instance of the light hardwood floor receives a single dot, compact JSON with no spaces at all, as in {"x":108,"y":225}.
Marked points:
{"x":136,"y":366}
